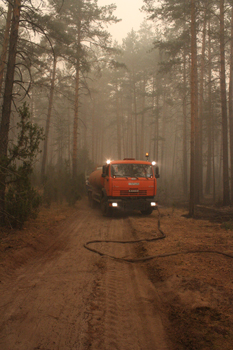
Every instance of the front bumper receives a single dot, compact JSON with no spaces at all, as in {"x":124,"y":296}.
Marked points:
{"x":133,"y":203}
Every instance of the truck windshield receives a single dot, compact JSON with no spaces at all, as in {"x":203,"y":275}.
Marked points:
{"x":131,"y":170}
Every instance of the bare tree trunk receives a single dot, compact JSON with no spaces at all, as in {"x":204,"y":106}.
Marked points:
{"x":76,"y":103}
{"x":85,"y":128}
{"x":174,"y":155}
{"x":194,"y":107}
{"x":157,"y":128}
{"x":200,"y":159}
{"x":75,"y":127}
{"x":226,"y":189}
{"x":185,"y":158}
{"x":118,"y":124}
{"x":210,"y":151}
{"x":142,"y":143}
{"x":5,"y":45}
{"x":162,"y":160}
{"x":135,"y":120}
{"x":213,"y":155}
{"x":123,"y":129}
{"x":102,"y":141}
{"x":93,"y":132}
{"x":7,"y":99}
{"x":44,"y":159}
{"x":69,"y":142}
{"x":231,"y":105}
{"x":130,"y":134}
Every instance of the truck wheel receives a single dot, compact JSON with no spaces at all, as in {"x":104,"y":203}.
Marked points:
{"x":106,"y":210}
{"x":147,"y":211}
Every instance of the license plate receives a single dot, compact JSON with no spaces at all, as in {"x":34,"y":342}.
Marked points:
{"x":134,"y":191}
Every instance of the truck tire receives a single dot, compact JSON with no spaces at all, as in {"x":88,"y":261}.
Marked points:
{"x":106,"y":210}
{"x":147,"y":211}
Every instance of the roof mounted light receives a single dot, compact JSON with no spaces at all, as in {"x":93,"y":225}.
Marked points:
{"x":153,"y":163}
{"x":108,"y":161}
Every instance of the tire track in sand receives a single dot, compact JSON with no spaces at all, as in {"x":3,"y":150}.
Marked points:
{"x":126,"y":312}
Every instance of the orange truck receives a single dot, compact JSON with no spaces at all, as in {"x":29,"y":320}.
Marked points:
{"x":126,"y":184}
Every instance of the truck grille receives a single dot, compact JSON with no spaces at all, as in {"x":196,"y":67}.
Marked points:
{"x":133,"y":192}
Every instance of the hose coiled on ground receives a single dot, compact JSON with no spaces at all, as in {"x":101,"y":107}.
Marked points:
{"x":87,"y":246}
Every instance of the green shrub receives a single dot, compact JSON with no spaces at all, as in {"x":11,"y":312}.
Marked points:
{"x":21,"y":200}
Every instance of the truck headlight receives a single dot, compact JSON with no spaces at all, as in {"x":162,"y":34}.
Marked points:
{"x":114,"y":205}
{"x":153,"y":204}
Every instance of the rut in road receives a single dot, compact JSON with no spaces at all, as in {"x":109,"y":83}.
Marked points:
{"x":70,"y":298}
{"x":124,"y":313}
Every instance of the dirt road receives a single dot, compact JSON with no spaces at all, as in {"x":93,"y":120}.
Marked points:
{"x":67,"y":297}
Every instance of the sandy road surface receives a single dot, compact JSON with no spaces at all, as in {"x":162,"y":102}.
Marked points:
{"x":70,"y":298}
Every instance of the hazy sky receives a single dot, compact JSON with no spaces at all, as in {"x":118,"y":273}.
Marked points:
{"x":128,"y":11}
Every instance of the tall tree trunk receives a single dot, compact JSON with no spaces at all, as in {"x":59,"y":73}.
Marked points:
{"x":174,"y":156}
{"x":200,"y":159}
{"x":157,"y":128}
{"x":231,"y":105}
{"x":130,"y":133}
{"x":118,"y":124}
{"x":194,"y":108}
{"x":76,"y":102}
{"x":44,"y":159}
{"x":123,"y":129}
{"x":135,"y":116}
{"x":142,"y":145}
{"x":185,"y":158}
{"x":209,"y":119}
{"x":162,"y":160}
{"x":69,"y":142}
{"x":75,"y":126}
{"x":5,"y":45}
{"x":93,"y":132}
{"x":213,"y":155}
{"x":226,"y":189}
{"x":7,"y":99}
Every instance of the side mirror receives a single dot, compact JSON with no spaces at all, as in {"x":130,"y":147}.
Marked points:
{"x":156,"y":168}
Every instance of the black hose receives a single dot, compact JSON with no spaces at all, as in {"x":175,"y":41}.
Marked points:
{"x":86,"y":245}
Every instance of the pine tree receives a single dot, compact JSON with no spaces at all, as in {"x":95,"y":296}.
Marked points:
{"x":86,"y":25}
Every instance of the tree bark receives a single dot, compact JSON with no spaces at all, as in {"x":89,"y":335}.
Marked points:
{"x":7,"y":99}
{"x":200,"y":159}
{"x":118,"y":124}
{"x":93,"y":123}
{"x":76,"y":102}
{"x":135,"y":116}
{"x":44,"y":159}
{"x":209,"y":120}
{"x":226,"y":189}
{"x":142,"y":143}
{"x":231,"y":105}
{"x":5,"y":45}
{"x":194,"y":108}
{"x":185,"y":158}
